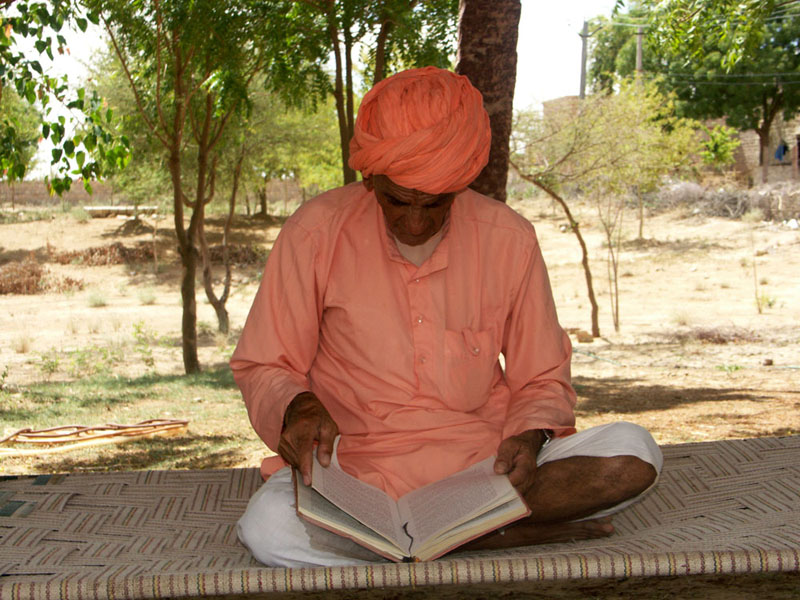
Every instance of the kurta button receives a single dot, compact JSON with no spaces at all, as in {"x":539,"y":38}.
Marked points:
{"x":416,"y":280}
{"x":422,"y":359}
{"x":476,"y":350}
{"x":419,"y":319}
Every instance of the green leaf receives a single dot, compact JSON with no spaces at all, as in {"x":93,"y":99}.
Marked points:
{"x":109,"y":115}
{"x":69,"y":148}
{"x":56,"y":152}
{"x":90,"y":142}
{"x":80,"y":158}
{"x":45,"y":130}
{"x":81,"y":23}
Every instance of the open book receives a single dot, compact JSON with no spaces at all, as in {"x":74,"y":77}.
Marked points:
{"x":423,"y":524}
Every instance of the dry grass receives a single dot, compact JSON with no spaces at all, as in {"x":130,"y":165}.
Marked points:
{"x":712,"y":335}
{"x":29,"y":277}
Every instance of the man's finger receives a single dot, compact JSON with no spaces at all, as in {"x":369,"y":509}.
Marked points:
{"x":327,"y":435}
{"x":505,"y":456}
{"x":304,"y":460}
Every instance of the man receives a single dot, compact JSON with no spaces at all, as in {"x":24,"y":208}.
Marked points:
{"x":384,"y":308}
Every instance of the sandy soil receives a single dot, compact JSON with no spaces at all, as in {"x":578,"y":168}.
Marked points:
{"x":688,"y":286}
{"x":685,"y":289}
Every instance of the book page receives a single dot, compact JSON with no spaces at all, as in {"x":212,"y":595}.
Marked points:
{"x":314,"y":506}
{"x":447,"y":503}
{"x":505,"y":513}
{"x":365,"y":502}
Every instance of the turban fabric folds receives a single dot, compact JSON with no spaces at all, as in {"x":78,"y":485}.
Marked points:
{"x":425,"y":129}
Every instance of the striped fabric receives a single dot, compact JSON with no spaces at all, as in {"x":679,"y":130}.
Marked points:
{"x":720,"y":507}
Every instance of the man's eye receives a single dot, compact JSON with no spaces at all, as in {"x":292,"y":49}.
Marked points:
{"x":394,"y":201}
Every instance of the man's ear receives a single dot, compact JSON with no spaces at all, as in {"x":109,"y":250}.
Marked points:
{"x":367,"y":181}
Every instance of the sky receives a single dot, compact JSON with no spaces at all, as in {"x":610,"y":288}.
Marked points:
{"x":549,"y":48}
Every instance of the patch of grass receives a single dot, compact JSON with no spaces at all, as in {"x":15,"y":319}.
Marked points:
{"x":763,"y":281}
{"x":725,"y":285}
{"x":714,"y":335}
{"x":681,"y":319}
{"x":766,"y":301}
{"x":754,"y":215}
{"x":49,"y":362}
{"x":219,"y":433}
{"x":728,"y":368}
{"x":93,"y":326}
{"x":97,"y":300}
{"x":93,"y":360}
{"x":143,"y":338}
{"x":22,"y":344}
{"x":147,"y":297}
{"x":3,"y":377}
{"x":80,"y":215}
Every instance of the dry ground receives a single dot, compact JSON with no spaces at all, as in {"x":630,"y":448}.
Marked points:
{"x":694,"y":360}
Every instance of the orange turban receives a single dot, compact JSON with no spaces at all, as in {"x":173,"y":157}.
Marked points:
{"x":425,"y":129}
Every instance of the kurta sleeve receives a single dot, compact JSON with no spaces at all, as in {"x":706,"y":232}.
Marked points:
{"x":280,"y":337}
{"x":537,"y":353}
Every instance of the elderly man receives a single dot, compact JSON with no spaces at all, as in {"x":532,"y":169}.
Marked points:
{"x":381,"y":317}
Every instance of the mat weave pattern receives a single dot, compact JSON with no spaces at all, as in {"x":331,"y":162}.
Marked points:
{"x":720,"y":507}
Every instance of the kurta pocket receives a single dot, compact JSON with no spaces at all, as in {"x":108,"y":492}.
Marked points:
{"x":470,"y":364}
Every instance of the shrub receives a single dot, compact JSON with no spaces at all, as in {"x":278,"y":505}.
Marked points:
{"x":23,"y":277}
{"x":29,"y":277}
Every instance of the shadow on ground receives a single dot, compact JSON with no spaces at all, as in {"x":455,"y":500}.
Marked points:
{"x":169,"y":452}
{"x":628,"y":396}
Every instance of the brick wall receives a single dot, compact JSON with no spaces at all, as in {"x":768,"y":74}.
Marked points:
{"x":34,"y":193}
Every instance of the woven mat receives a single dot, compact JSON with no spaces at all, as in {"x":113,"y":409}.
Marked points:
{"x":720,"y":507}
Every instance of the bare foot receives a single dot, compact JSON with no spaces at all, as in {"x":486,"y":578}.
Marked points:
{"x":527,"y":533}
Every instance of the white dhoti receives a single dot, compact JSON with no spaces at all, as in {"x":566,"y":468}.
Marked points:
{"x":278,"y":537}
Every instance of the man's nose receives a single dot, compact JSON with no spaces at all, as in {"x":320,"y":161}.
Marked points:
{"x":416,"y":220}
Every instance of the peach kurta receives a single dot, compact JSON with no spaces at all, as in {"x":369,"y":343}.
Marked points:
{"x":405,"y":358}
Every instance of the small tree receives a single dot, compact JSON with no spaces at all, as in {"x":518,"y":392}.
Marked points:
{"x":87,"y":153}
{"x":190,"y":65}
{"x":719,"y":146}
{"x":608,"y":147}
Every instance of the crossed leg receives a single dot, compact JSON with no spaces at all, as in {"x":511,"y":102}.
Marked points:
{"x":570,"y":489}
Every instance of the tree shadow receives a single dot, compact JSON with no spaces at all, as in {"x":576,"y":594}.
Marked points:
{"x":102,"y":391}
{"x":41,"y":255}
{"x":628,"y":396}
{"x":192,"y":452}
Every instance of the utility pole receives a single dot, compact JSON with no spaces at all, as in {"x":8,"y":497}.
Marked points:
{"x":639,"y":36}
{"x":584,"y":42}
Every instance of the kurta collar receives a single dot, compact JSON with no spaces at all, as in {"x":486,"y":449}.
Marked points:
{"x":436,"y":262}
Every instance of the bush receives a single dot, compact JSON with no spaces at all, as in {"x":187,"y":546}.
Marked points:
{"x":21,"y":277}
{"x":29,"y":277}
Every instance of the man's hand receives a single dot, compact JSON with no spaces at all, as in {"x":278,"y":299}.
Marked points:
{"x":307,"y":421}
{"x":516,"y":457}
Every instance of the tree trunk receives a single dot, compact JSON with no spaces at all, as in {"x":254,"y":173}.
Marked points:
{"x":763,"y":142}
{"x":487,"y":54}
{"x":380,"y":51}
{"x":584,"y":251}
{"x":348,"y":174}
{"x":186,"y":249}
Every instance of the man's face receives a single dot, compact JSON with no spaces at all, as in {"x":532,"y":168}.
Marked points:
{"x":412,"y":216}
